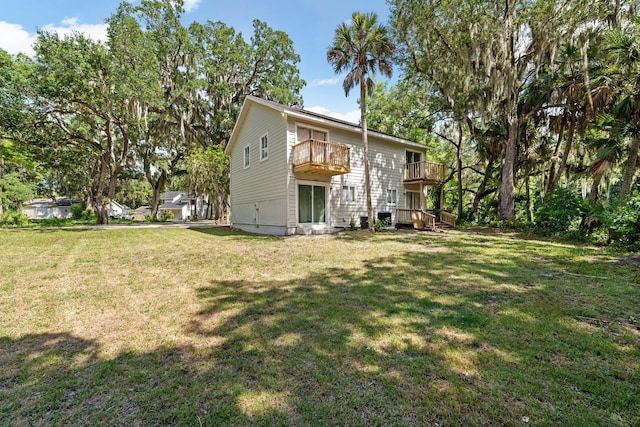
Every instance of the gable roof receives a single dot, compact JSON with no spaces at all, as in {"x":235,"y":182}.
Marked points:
{"x":316,"y":118}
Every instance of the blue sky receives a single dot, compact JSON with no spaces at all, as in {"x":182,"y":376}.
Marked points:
{"x":309,"y":23}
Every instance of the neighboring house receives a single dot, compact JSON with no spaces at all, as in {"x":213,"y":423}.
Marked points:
{"x":141,"y":213}
{"x":182,"y":205}
{"x":49,"y":208}
{"x":298,"y":172}
{"x":116,"y":210}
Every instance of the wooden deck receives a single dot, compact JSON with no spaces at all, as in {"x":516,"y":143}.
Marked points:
{"x":321,"y":157}
{"x":421,"y":219}
{"x":427,"y":173}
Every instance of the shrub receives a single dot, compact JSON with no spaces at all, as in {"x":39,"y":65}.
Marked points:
{"x":77,"y":211}
{"x":52,"y":222}
{"x":89,"y":214}
{"x":166,"y":216}
{"x":13,"y":219}
{"x":352,"y":224}
{"x":558,"y":212}
{"x":623,"y":224}
{"x":378,"y":225}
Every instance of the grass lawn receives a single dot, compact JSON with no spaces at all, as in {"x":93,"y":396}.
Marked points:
{"x":211,"y":327}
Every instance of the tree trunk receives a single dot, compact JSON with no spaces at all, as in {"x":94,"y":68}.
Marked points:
{"x":630,"y":167}
{"x":481,"y":193}
{"x":459,"y":162}
{"x":507,"y":197}
{"x":157,"y":186}
{"x":528,"y":191}
{"x":365,"y":143}
{"x":103,"y":214}
{"x":552,"y":168}
{"x":506,"y":209}
{"x":595,"y":187}
{"x":565,"y":155}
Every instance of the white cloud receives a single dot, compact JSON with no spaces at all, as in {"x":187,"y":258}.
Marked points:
{"x":350,"y":116}
{"x":68,"y":26}
{"x":324,"y":82}
{"x":15,"y":39}
{"x":189,"y":5}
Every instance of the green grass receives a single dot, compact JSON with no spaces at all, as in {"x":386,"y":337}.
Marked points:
{"x":213,"y":327}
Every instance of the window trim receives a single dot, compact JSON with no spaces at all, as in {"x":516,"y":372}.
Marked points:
{"x":414,"y":152}
{"x":264,"y":137}
{"x":408,"y":196}
{"x":246,"y":156}
{"x":306,"y":126}
{"x":351,"y":191}
{"x":392,"y":196}
{"x":327,"y":203}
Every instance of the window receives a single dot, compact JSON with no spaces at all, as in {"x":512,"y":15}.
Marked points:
{"x":412,"y":200}
{"x":304,"y":133}
{"x":392,"y":196}
{"x":264,"y":147}
{"x":311,"y":204}
{"x":247,"y":158}
{"x":413,"y":157}
{"x":348,"y":194}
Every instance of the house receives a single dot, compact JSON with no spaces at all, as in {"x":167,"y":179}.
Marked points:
{"x":117,"y":210}
{"x":298,"y":172}
{"x":141,"y":213}
{"x":182,"y":205}
{"x":49,"y":208}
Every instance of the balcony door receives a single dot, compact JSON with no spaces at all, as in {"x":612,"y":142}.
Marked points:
{"x":304,"y":133}
{"x":312,"y":204}
{"x":412,"y":200}
{"x":413,"y":156}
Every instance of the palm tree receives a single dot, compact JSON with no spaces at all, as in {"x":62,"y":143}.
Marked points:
{"x":359,"y":49}
{"x":624,"y":46}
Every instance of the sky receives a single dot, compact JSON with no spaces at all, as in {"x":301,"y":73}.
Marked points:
{"x":309,"y":23}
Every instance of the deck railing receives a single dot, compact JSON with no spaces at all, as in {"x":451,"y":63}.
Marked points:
{"x":418,"y":218}
{"x":322,"y":155}
{"x":448,"y":218}
{"x":424,"y":171}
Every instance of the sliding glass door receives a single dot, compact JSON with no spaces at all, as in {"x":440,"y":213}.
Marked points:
{"x":312,"y":204}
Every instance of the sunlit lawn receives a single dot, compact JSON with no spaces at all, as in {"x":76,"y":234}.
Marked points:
{"x":212,"y":327}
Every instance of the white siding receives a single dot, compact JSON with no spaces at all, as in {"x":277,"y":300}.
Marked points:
{"x":258,"y":193}
{"x":386,"y":162}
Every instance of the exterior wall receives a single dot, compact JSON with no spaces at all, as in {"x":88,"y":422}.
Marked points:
{"x":258,"y":193}
{"x":62,"y":212}
{"x":386,"y":161}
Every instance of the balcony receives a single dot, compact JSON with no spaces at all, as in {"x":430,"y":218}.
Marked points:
{"x":427,"y":173}
{"x":321,"y":157}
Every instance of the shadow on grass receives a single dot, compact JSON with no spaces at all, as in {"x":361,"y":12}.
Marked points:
{"x":437,"y":333}
{"x":234,"y":234}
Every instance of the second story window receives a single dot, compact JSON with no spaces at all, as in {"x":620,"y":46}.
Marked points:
{"x":304,"y":134}
{"x":247,"y":157}
{"x":264,"y":147}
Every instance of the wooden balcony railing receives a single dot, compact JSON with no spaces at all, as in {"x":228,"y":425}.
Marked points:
{"x":428,"y":172}
{"x":322,"y":157}
{"x":416,"y":217}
